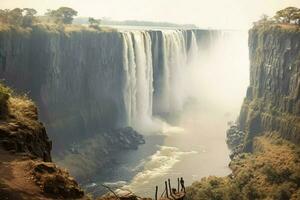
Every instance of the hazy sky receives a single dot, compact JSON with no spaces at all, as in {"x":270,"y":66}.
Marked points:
{"x":204,"y":13}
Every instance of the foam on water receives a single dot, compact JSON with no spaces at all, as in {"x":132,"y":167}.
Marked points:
{"x":158,"y":165}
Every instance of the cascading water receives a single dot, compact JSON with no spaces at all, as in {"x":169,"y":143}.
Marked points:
{"x":175,"y":60}
{"x":138,"y":68}
{"x":83,"y":90}
{"x":138,"y":90}
{"x":202,"y":68}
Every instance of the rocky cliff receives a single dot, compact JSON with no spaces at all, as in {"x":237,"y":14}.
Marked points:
{"x":70,"y":74}
{"x":26,"y":170}
{"x":89,"y":83}
{"x":273,"y":97}
{"x":265,"y":142}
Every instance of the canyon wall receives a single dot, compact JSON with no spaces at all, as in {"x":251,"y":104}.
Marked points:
{"x":273,"y":97}
{"x":86,"y":81}
{"x":70,"y":76}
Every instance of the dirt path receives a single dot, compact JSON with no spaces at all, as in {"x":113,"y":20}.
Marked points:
{"x":16,"y":182}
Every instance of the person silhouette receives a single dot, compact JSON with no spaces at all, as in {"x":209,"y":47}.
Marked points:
{"x":182,"y":184}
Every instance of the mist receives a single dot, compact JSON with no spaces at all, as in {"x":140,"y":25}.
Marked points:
{"x":202,"y":90}
{"x":218,"y":75}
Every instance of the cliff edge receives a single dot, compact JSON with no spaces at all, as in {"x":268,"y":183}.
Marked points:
{"x":273,"y":97}
{"x":265,"y":141}
{"x":26,"y":169}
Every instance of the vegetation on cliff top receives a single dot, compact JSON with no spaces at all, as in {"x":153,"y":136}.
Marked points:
{"x":60,"y":19}
{"x":288,"y":18}
{"x":271,"y":172}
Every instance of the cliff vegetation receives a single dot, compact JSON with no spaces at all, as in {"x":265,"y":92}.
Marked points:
{"x":26,"y":170}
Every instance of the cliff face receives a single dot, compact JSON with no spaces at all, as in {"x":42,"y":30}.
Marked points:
{"x":26,"y":170}
{"x":86,"y":82}
{"x":273,"y":97}
{"x":63,"y":73}
{"x":265,"y":143}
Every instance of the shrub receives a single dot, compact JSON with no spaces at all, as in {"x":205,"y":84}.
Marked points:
{"x":5,"y":92}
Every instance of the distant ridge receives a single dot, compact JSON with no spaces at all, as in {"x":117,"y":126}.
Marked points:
{"x":84,"y":20}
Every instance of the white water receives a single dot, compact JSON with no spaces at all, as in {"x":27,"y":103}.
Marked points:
{"x":138,"y":90}
{"x":205,"y":83}
{"x":138,"y":67}
{"x":175,"y":59}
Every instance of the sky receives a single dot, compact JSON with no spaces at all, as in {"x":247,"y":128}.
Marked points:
{"x":226,"y":14}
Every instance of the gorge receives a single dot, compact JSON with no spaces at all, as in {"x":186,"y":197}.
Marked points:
{"x":88,"y":83}
{"x":130,"y":100}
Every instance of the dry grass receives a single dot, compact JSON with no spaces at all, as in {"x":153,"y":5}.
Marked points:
{"x":271,"y":172}
{"x":17,"y":108}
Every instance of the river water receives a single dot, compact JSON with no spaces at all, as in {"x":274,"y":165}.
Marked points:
{"x":192,"y":144}
{"x":192,"y":149}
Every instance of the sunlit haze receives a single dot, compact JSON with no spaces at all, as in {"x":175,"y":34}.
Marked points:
{"x":227,"y":14}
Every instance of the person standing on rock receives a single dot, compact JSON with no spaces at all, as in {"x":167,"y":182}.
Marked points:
{"x":182,"y":184}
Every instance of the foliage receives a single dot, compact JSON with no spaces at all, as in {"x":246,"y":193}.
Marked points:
{"x":5,"y":92}
{"x":94,"y":23}
{"x":289,"y":15}
{"x":272,"y":172}
{"x":19,"y":17}
{"x":63,"y":15}
{"x":28,"y":17}
{"x":213,"y":188}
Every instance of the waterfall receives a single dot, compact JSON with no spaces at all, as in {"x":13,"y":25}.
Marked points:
{"x":138,"y":90}
{"x":138,"y":72}
{"x":193,"y":51}
{"x":175,"y":59}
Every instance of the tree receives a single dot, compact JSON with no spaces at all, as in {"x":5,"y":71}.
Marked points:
{"x":286,"y":15}
{"x":18,"y":17}
{"x":29,"y":16}
{"x":64,"y":15}
{"x":15,"y":17}
{"x":4,"y":16}
{"x":94,"y":23}
{"x":296,"y":17}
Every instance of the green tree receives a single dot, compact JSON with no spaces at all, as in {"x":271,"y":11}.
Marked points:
{"x":94,"y":23}
{"x":286,"y":15}
{"x":296,"y":17}
{"x":264,"y":20}
{"x":29,"y":16}
{"x":15,"y":17}
{"x":18,"y":17}
{"x":64,"y":15}
{"x":4,"y":16}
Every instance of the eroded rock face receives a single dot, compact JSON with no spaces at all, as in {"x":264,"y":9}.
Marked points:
{"x":20,"y":131}
{"x":26,"y":168}
{"x":273,"y":97}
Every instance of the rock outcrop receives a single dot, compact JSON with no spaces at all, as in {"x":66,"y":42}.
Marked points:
{"x":26,"y":170}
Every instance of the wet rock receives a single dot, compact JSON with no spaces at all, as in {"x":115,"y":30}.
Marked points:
{"x":235,"y":140}
{"x":124,"y":138}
